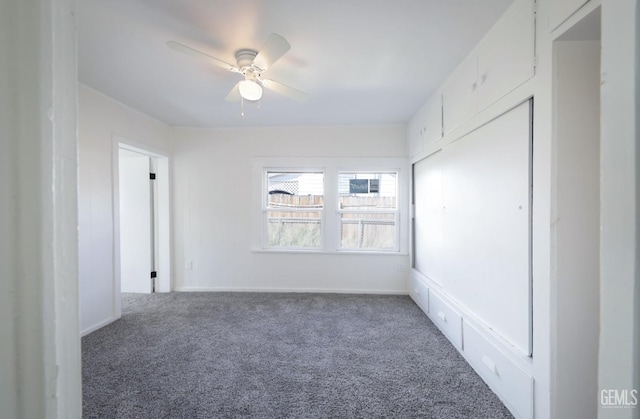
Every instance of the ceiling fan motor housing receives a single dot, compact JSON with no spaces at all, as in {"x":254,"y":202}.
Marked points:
{"x":245,"y":58}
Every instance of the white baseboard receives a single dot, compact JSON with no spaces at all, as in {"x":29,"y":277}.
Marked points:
{"x":297,"y":290}
{"x":97,"y":326}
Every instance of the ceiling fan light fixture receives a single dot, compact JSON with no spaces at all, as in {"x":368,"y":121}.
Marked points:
{"x":250,"y":90}
{"x":252,"y":65}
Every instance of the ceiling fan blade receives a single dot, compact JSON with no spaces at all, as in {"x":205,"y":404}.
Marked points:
{"x":272,"y":50}
{"x":285,"y":90}
{"x":234,"y":94}
{"x":194,"y":52}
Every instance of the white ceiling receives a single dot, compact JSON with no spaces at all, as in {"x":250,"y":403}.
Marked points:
{"x":362,"y":62}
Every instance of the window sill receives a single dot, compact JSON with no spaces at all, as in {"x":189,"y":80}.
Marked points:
{"x":331,"y":252}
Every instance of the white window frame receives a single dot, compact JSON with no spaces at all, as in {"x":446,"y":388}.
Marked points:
{"x":396,"y":212}
{"x":266,"y":209}
{"x":330,"y":166}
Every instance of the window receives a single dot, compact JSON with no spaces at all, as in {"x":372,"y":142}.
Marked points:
{"x":294,"y":209}
{"x":329,"y":205}
{"x":368,"y":210}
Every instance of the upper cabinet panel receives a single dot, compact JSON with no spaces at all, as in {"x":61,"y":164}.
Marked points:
{"x":503,"y":60}
{"x":459,"y":98}
{"x":506,"y":55}
{"x":415,"y":141}
{"x":432,"y":129}
{"x":561,"y":10}
{"x":425,"y":127}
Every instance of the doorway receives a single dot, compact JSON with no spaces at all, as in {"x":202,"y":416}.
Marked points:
{"x":137,"y":222}
{"x":141,"y":207}
{"x":575,"y":289}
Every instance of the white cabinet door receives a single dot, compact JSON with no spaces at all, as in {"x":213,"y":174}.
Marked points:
{"x":432,"y":129}
{"x":425,"y":127}
{"x":415,"y":140}
{"x":459,"y":99}
{"x":506,"y":55}
{"x":560,"y":10}
{"x":503,"y":61}
{"x":429,"y":213}
{"x":483,"y":251}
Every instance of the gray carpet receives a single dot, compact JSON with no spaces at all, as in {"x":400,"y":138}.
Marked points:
{"x":209,"y":355}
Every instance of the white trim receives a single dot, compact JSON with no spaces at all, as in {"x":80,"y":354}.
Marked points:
{"x":138,"y":146}
{"x":97,"y":326}
{"x":163,"y":222}
{"x":266,"y":209}
{"x":116,"y":303}
{"x":395,"y":211}
{"x":291,"y":290}
{"x":331,"y":252}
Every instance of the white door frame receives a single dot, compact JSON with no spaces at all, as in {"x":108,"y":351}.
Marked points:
{"x":163,"y":220}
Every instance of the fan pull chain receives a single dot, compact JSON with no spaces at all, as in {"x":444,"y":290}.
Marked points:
{"x":241,"y":106}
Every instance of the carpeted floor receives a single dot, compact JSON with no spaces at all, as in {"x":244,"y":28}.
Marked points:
{"x":215,"y":355}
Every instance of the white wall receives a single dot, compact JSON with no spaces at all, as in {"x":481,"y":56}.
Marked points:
{"x":619,"y":187}
{"x":213,"y":208}
{"x":101,"y":123}
{"x":39,"y":339}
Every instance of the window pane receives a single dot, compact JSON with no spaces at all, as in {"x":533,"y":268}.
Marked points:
{"x":294,"y":229}
{"x":295,"y":190}
{"x":367,"y":191}
{"x":285,"y":201}
{"x":368,"y":231}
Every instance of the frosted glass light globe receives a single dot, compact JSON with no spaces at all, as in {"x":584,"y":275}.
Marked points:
{"x":250,"y":90}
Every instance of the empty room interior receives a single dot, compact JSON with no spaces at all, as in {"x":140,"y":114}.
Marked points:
{"x":323,"y":209}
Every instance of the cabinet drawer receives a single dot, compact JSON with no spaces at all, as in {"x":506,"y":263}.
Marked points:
{"x":446,"y":318}
{"x":513,"y":385}
{"x":419,"y":293}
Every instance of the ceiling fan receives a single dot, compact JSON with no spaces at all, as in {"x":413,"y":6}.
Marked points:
{"x":252,"y":65}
